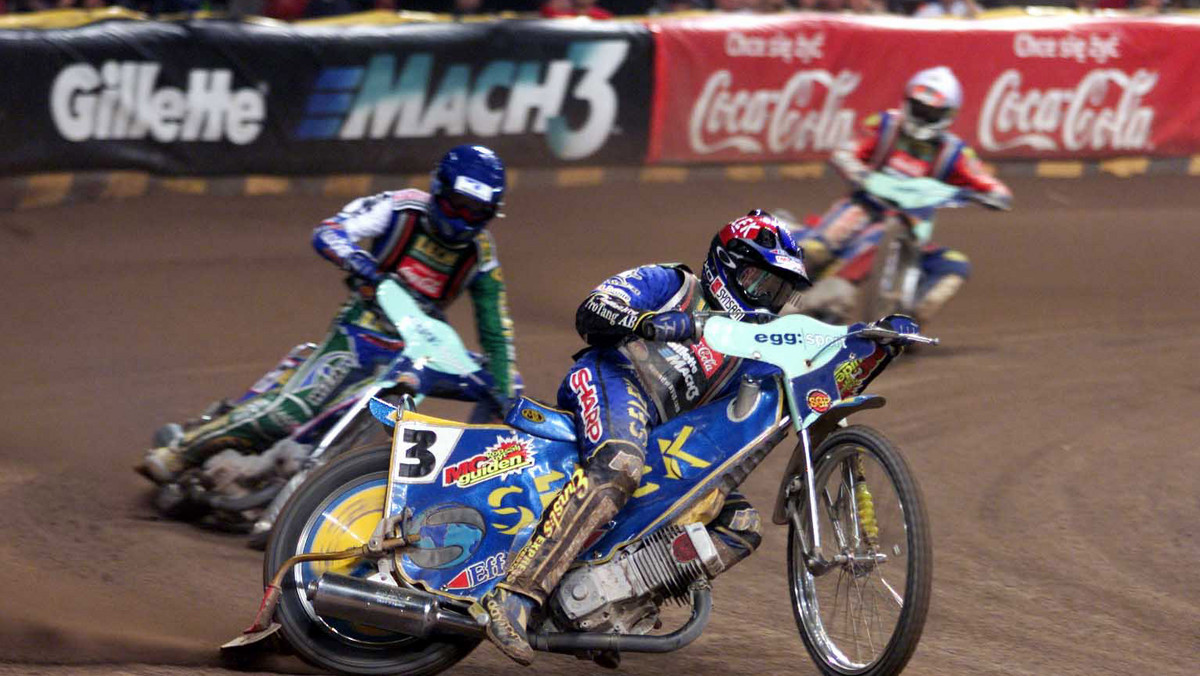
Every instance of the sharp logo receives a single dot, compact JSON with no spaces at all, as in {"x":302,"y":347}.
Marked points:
{"x":124,"y":100}
{"x":386,"y":99}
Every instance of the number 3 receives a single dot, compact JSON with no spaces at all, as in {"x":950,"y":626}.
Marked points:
{"x":419,"y":451}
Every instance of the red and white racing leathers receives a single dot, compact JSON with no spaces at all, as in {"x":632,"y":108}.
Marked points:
{"x":843,"y":241}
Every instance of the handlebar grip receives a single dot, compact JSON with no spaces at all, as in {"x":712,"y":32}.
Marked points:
{"x":877,"y":333}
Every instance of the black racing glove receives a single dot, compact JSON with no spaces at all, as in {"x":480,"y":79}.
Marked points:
{"x":361,"y":265}
{"x":673,"y":326}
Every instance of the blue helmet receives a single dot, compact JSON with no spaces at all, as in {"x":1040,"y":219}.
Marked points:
{"x":753,"y":264}
{"x":468,"y":188}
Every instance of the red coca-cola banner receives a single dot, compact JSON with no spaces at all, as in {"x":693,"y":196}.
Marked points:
{"x":752,"y":89}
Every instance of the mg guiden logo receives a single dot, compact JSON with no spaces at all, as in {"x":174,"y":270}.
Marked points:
{"x":124,"y":100}
{"x":391,"y":99}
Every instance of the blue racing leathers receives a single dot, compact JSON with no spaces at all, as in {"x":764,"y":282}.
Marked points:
{"x":618,"y":389}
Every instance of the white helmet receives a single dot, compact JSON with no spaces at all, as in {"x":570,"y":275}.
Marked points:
{"x":931,"y":100}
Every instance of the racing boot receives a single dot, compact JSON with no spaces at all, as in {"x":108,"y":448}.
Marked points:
{"x":736,"y":532}
{"x":939,"y":293}
{"x":163,"y":464}
{"x":507,"y":618}
{"x":587,"y":501}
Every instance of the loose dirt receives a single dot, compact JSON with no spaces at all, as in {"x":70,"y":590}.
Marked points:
{"x":1055,"y":433}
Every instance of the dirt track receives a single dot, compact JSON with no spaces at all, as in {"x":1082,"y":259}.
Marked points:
{"x":1055,"y":434}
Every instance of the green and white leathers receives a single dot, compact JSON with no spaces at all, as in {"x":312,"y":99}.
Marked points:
{"x":435,"y":273}
{"x":397,"y":223}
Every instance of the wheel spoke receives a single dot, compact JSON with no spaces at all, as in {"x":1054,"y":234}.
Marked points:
{"x":895,"y":596}
{"x":849,"y":619}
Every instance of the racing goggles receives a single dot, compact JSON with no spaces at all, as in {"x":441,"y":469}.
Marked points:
{"x":469,"y":209}
{"x":923,"y":106}
{"x":765,"y":289}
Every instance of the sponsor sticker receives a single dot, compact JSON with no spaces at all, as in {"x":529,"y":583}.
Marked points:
{"x":810,"y":339}
{"x":322,"y":376}
{"x":479,"y":572}
{"x":574,"y":490}
{"x":710,"y":360}
{"x":851,"y":374}
{"x":725,"y":298}
{"x":684,"y":363}
{"x":472,"y":188}
{"x":533,"y":415}
{"x":509,"y":455}
{"x":423,"y":278}
{"x":583,"y":387}
{"x":818,"y":400}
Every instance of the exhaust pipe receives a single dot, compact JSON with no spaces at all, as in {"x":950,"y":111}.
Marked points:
{"x":375,"y":604}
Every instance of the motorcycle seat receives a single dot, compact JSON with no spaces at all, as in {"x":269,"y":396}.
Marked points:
{"x":540,"y":420}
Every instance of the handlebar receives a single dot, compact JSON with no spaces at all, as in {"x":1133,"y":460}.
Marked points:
{"x":881,"y":334}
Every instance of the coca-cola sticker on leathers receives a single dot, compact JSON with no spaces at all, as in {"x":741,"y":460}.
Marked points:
{"x":760,"y":88}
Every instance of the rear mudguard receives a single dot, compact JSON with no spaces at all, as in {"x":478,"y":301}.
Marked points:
{"x":817,"y":431}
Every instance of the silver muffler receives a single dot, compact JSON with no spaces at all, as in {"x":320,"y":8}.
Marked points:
{"x":384,"y":606}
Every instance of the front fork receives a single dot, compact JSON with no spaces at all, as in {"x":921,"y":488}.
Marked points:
{"x":853,"y":494}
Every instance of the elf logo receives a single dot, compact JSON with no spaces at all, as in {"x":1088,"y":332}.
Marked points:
{"x":124,"y":100}
{"x":477,"y":573}
{"x":387,"y":99}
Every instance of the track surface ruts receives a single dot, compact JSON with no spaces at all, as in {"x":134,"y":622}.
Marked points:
{"x":1055,"y":433}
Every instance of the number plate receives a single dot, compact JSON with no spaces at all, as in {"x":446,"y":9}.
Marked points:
{"x":419,"y":450}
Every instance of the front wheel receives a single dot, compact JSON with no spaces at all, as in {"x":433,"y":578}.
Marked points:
{"x":339,"y":507}
{"x":861,"y":595}
{"x":890,"y":287}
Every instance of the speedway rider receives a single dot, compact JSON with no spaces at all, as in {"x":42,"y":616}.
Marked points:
{"x":437,"y":245}
{"x":646,"y":365}
{"x":912,"y":141}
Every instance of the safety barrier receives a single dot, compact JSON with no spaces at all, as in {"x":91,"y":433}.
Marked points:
{"x":200,"y":97}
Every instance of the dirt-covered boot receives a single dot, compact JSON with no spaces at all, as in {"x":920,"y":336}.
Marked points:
{"x":938,"y":294}
{"x":163,"y":465}
{"x":508,"y":618}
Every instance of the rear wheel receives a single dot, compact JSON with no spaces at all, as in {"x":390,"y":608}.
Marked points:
{"x":861,"y":597}
{"x":337,"y":508}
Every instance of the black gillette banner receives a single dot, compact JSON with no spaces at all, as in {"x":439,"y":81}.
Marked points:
{"x":220,"y":97}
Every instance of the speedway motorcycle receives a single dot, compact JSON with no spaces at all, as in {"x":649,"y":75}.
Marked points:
{"x":892,"y":285}
{"x":883,"y":275}
{"x":244,"y":493}
{"x":376,"y":560}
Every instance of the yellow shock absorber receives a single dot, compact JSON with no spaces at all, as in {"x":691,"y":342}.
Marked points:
{"x":866,"y":504}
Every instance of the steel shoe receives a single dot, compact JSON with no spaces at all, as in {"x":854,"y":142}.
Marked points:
{"x":162,"y":465}
{"x":508,"y":616}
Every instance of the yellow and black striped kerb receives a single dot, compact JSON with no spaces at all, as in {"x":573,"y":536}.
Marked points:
{"x":54,"y":189}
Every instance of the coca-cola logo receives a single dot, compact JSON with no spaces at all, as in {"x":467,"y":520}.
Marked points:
{"x":709,"y":359}
{"x":428,"y":281}
{"x":806,"y":113}
{"x":1103,"y":112}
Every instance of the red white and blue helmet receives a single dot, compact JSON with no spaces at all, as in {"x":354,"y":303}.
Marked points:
{"x":931,"y":100}
{"x":467,"y":189}
{"x":753,"y":264}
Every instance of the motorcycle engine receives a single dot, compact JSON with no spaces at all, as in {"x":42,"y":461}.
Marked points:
{"x":623,"y":594}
